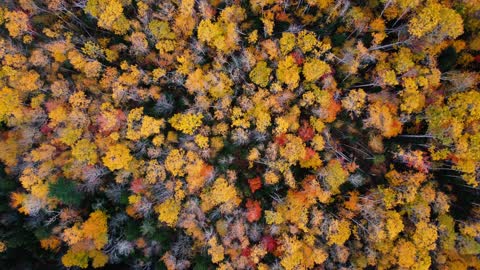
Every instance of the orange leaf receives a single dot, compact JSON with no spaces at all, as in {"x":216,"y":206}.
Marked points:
{"x":255,"y":184}
{"x":254,"y":211}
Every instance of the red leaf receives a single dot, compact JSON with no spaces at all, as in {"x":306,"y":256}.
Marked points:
{"x":309,"y":153}
{"x":269,"y":243}
{"x":306,"y":131}
{"x":246,"y":252}
{"x":281,"y":139}
{"x":254,"y":211}
{"x":137,"y":185}
{"x":255,"y":184}
{"x":477,"y":58}
{"x":298,"y":57}
{"x":45,"y":129}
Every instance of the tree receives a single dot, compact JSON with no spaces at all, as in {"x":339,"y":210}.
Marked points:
{"x":355,"y":101}
{"x":66,"y":191}
{"x":338,"y":232}
{"x":117,"y":157}
{"x":9,"y":104}
{"x":175,"y":162}
{"x":255,"y":184}
{"x":220,"y":193}
{"x":187,"y":123}
{"x":168,"y":211}
{"x":254,"y":210}
{"x":335,"y":175}
{"x":222,"y":34}
{"x":94,"y":231}
{"x":260,"y":74}
{"x":436,"y":20}
{"x":314,"y":69}
{"x":110,"y":15}
{"x":239,"y":134}
{"x":85,"y":151}
{"x":383,"y":117}
{"x":17,"y":23}
{"x":288,"y":72}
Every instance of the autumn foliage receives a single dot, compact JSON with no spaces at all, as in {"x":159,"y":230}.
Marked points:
{"x":255,"y":134}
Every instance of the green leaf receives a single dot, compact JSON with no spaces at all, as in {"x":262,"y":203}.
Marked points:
{"x":65,"y":190}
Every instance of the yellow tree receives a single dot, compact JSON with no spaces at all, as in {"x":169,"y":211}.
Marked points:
{"x":110,"y":15}
{"x":86,"y":242}
{"x":383,"y":116}
{"x":288,"y":72}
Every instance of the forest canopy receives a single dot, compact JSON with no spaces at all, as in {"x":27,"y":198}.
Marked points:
{"x":240,"y":134}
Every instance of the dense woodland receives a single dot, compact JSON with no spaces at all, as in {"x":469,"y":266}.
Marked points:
{"x":240,"y":134}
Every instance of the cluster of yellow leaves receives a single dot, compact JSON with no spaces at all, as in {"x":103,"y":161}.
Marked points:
{"x":218,"y":85}
{"x":186,"y":122}
{"x":288,"y":72}
{"x":355,"y":101}
{"x":314,"y":69}
{"x":394,"y":224}
{"x":78,"y":101}
{"x":435,"y":16}
{"x":260,"y":74}
{"x":301,"y":254}
{"x":85,"y":151}
{"x":32,"y":181}
{"x":3,"y":247}
{"x":402,"y":62}
{"x":335,"y":175}
{"x":17,"y":23}
{"x":93,"y":230}
{"x":160,"y":30}
{"x":19,"y":200}
{"x":271,"y":178}
{"x":293,"y":150}
{"x":140,"y":126}
{"x":412,"y":100}
{"x":117,"y":157}
{"x":406,"y":253}
{"x":383,"y":116}
{"x":216,"y":251}
{"x":9,"y":104}
{"x":80,"y":258}
{"x":304,"y":40}
{"x":155,"y":172}
{"x":163,"y":34}
{"x":220,"y":193}
{"x":295,"y":209}
{"x":223,"y":34}
{"x":175,"y":162}
{"x":338,"y":232}
{"x":110,"y":15}
{"x":197,"y":172}
{"x":109,"y":118}
{"x":287,"y":42}
{"x":378,"y":27}
{"x":425,"y":236}
{"x":50,"y":243}
{"x":168,"y":211}
{"x":452,"y":124}
{"x":185,"y":22}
